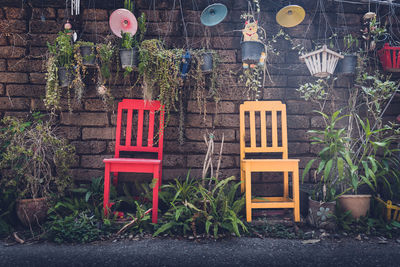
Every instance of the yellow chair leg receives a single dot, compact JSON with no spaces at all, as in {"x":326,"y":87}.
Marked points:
{"x":248,"y":195}
{"x":296,"y":196}
{"x":285,"y":184}
{"x":242,"y":179}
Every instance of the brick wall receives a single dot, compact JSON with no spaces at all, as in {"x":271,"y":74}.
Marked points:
{"x":24,"y":31}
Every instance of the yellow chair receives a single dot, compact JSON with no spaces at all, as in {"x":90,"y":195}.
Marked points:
{"x":255,"y":118}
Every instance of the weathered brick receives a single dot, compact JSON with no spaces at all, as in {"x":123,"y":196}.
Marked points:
{"x":212,"y":107}
{"x":98,"y":133}
{"x":174,"y":160}
{"x":300,"y":107}
{"x":89,"y":147}
{"x":41,"y":39}
{"x":227,"y":56}
{"x":277,"y":81}
{"x":13,"y":77}
{"x":13,"y":26}
{"x":71,"y":133}
{"x":274,"y":93}
{"x":93,"y":161}
{"x":198,"y":134}
{"x":99,"y":27}
{"x":170,"y":174}
{"x":3,"y":65}
{"x":12,"y":103}
{"x":95,"y":14}
{"x":297,"y":135}
{"x":298,"y":148}
{"x":86,"y":174}
{"x":25,"y":90}
{"x":298,"y":122}
{"x":48,"y":26}
{"x":37,"y":78}
{"x":25,"y":65}
{"x":46,"y":13}
{"x":14,"y":13}
{"x":1,"y":89}
{"x":227,"y":120}
{"x":94,"y":105}
{"x":84,"y":119}
{"x":197,"y":161}
{"x":11,"y":52}
{"x":196,"y":120}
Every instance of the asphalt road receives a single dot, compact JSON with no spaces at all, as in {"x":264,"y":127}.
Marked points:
{"x":228,"y":252}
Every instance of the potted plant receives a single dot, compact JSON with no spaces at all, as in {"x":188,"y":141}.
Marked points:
{"x":87,"y":51}
{"x":129,"y":51}
{"x":252,"y":48}
{"x":347,"y":65}
{"x":36,"y":162}
{"x":330,"y":171}
{"x":59,"y":67}
{"x":63,"y":50}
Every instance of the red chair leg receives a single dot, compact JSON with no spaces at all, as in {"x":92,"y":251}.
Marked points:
{"x":115,"y":179}
{"x":155,"y":196}
{"x":159,"y":179}
{"x":106,"y":195}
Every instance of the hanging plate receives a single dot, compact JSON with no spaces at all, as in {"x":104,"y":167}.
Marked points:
{"x":213,"y":14}
{"x":290,"y":16}
{"x":122,"y":20}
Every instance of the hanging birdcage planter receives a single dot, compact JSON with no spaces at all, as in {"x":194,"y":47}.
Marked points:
{"x":390,"y":58}
{"x":322,"y":62}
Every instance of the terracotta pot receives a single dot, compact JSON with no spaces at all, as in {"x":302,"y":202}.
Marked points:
{"x":32,"y":211}
{"x":320,"y":214}
{"x":357,"y":204}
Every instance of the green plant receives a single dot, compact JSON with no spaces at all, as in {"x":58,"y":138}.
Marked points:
{"x":331,"y":158}
{"x":36,"y":161}
{"x":159,"y":71}
{"x":197,"y":209}
{"x":127,"y":40}
{"x":105,"y":54}
{"x":61,"y":54}
{"x":204,"y":81}
{"x":350,"y":44}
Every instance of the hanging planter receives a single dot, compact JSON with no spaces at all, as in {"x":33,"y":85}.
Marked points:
{"x":322,"y":62}
{"x":252,"y":51}
{"x":88,"y":55}
{"x":390,"y":58}
{"x":129,"y":57}
{"x":347,"y":66}
{"x":207,"y":65}
{"x":64,"y":76}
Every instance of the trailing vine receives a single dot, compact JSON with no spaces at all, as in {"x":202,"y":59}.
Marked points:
{"x":105,"y":53}
{"x":159,"y":71}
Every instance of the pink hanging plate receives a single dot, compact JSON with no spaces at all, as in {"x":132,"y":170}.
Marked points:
{"x":123,"y":20}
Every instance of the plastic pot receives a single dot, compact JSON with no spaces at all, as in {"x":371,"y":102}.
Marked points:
{"x":357,"y":204}
{"x":64,"y":76}
{"x":251,"y":51}
{"x":32,"y":211}
{"x":207,"y":65}
{"x":347,"y":66}
{"x":320,"y":214}
{"x":88,"y":56}
{"x":129,"y":57}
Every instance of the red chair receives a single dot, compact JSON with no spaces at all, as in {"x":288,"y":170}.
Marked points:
{"x":144,"y":110}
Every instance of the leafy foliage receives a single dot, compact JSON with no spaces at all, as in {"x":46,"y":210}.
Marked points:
{"x":38,"y":160}
{"x":197,"y":209}
{"x":331,"y":158}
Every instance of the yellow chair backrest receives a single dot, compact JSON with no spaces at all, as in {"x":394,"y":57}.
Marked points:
{"x":263,"y":128}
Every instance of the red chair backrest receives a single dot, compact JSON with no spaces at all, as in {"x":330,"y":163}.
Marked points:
{"x":142,"y":108}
